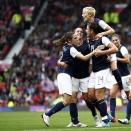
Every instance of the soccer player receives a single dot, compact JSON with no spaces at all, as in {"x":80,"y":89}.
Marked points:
{"x":64,"y":75}
{"x":114,"y":90}
{"x":99,"y":78}
{"x":122,"y":63}
{"x":88,"y":15}
{"x":80,"y":78}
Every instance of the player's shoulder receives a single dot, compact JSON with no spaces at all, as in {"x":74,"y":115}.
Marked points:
{"x":67,"y":47}
{"x":97,"y":19}
{"x":123,"y":48}
{"x":104,"y":38}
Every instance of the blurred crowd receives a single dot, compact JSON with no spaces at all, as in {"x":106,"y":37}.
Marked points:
{"x":15,"y":17}
{"x":31,"y":80}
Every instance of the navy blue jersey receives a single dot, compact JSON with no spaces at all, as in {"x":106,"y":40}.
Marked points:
{"x":80,"y":67}
{"x":97,"y":21}
{"x":67,"y":58}
{"x":122,"y":67}
{"x":100,"y":62}
{"x":100,"y":23}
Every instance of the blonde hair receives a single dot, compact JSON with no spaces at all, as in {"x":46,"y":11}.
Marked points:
{"x":90,"y":10}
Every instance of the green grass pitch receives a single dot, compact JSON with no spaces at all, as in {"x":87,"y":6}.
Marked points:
{"x":31,"y":121}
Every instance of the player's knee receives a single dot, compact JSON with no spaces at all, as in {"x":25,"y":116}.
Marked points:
{"x":74,"y":100}
{"x":67,"y":100}
{"x":99,"y":96}
{"x":114,"y":91}
{"x":85,"y":96}
{"x":91,"y":96}
{"x":74,"y":97}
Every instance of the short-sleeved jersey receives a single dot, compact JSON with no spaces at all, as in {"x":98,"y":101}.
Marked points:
{"x":66,"y":57}
{"x":68,"y":54}
{"x":101,"y":23}
{"x":100,"y":62}
{"x":80,"y":67}
{"x":122,"y":67}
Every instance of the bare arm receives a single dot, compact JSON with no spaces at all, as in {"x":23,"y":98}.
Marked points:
{"x":108,"y":31}
{"x":111,"y":50}
{"x":125,"y":59}
{"x":76,"y":54}
{"x":86,"y":57}
{"x":62,"y":64}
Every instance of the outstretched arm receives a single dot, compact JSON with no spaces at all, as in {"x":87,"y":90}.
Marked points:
{"x":84,"y":57}
{"x":76,"y":54}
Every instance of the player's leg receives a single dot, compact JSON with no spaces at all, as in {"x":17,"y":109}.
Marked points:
{"x":127,"y":83}
{"x":59,"y":106}
{"x":115,"y":71}
{"x":84,"y":89}
{"x":73,"y":106}
{"x":91,"y":91}
{"x":102,"y":106}
{"x":102,"y":80}
{"x":73,"y":110}
{"x":92,"y":108}
{"x":89,"y":104}
{"x":128,"y":113}
{"x":113,"y":92}
{"x":65,"y":89}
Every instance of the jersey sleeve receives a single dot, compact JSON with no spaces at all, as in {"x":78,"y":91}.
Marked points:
{"x":74,"y":52}
{"x":112,"y":57}
{"x":103,"y":24}
{"x":123,"y":51}
{"x":105,"y":41}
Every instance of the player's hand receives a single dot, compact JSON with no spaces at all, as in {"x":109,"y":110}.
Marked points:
{"x":62,"y":64}
{"x":99,"y":35}
{"x":101,"y":47}
{"x":97,"y":52}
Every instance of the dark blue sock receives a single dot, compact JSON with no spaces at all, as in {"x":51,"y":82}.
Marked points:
{"x":96,"y":104}
{"x":128,"y":110}
{"x":117,"y":76}
{"x":91,"y":106}
{"x":74,"y":113}
{"x":55,"y":109}
{"x":103,"y":110}
{"x":113,"y":106}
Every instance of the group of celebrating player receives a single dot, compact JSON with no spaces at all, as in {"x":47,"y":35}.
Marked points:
{"x":92,"y":65}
